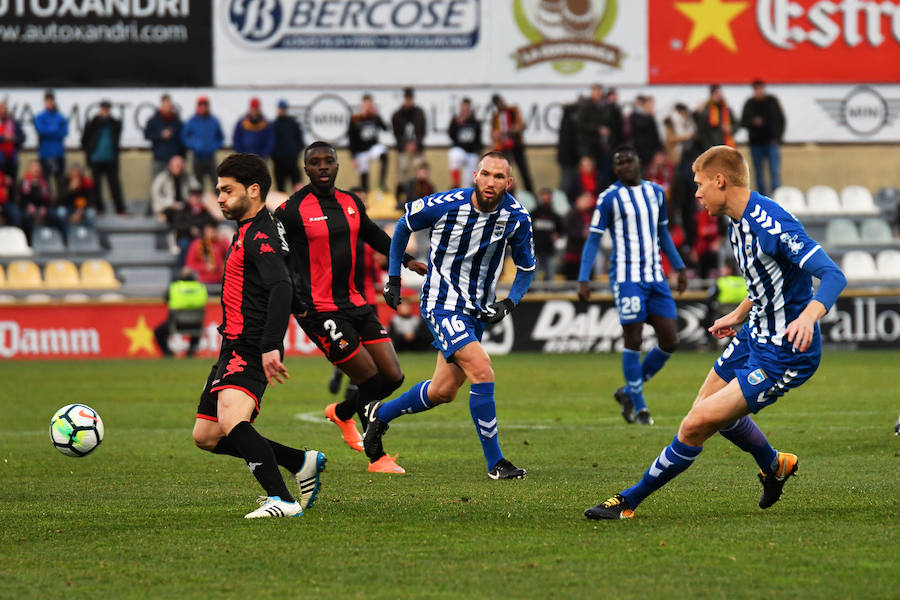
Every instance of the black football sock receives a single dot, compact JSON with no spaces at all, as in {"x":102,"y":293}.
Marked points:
{"x":346,"y":409}
{"x":289,"y":458}
{"x":260,"y":460}
{"x":369,"y":391}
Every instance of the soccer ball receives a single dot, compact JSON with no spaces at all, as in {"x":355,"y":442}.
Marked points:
{"x":76,"y":430}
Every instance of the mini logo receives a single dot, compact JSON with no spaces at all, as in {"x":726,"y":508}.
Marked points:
{"x":566,"y":33}
{"x":322,"y":218}
{"x":235,"y":365}
{"x":342,"y":344}
{"x":863,"y":111}
{"x":87,"y":415}
{"x":417,"y":206}
{"x":265,"y":247}
{"x":499,"y":230}
{"x":238,"y":244}
{"x":350,"y":211}
{"x":748,"y":248}
{"x":326,"y":345}
{"x":252,"y":466}
{"x":756,"y":377}
{"x":791,"y":242}
{"x":260,"y":236}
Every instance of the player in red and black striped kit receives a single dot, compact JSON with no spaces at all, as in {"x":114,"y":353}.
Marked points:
{"x":256,"y":305}
{"x":323,"y":225}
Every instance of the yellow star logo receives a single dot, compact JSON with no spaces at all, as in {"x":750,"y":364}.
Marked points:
{"x":141,"y":337}
{"x":712,"y":19}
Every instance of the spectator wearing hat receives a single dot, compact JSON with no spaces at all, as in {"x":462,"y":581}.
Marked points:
{"x":52,"y":128}
{"x":100,"y":141}
{"x":163,"y":130}
{"x":253,"y":133}
{"x":287,"y":148}
{"x":202,"y":135}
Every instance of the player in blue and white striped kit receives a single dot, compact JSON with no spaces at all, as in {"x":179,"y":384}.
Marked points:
{"x":779,"y":347}
{"x":634,"y":212}
{"x":470,"y":229}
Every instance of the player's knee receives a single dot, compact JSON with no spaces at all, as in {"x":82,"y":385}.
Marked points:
{"x":388,"y":385}
{"x":669,"y":344}
{"x":632,"y":339}
{"x":695,"y":429}
{"x":204,"y":442}
{"x":441,"y":394}
{"x":482,"y":373}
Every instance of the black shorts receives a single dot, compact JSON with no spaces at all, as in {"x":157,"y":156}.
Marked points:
{"x":340,"y":334}
{"x":239,"y":367}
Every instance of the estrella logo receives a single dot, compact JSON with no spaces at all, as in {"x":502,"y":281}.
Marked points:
{"x":235,"y":365}
{"x":566,"y":33}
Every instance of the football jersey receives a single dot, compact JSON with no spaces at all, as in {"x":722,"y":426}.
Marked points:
{"x":467,"y":247}
{"x":771,"y":247}
{"x":632,"y":214}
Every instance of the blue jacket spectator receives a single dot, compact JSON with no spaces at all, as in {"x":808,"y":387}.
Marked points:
{"x":52,"y":128}
{"x":202,"y":134}
{"x":163,"y":130}
{"x":253,"y":133}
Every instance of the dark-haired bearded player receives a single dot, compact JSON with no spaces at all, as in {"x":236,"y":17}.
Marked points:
{"x":322,"y":226}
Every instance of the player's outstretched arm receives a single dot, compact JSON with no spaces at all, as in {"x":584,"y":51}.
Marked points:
{"x":668,"y":247}
{"x":588,"y":254}
{"x":501,"y":308}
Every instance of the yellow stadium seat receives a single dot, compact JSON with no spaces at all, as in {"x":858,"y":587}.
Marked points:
{"x":23,"y":275}
{"x":98,"y":274}
{"x":2,"y":277}
{"x":61,"y":275}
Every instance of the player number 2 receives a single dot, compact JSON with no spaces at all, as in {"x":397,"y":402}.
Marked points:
{"x":331,"y":328}
{"x":630,"y":305}
{"x":453,"y":325}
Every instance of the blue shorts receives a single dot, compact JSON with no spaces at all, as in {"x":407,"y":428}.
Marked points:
{"x":766,"y":372}
{"x":452,"y":330}
{"x":637,"y":300}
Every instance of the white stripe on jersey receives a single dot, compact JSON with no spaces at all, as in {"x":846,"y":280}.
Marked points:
{"x":619,"y":245}
{"x":646,"y":259}
{"x":447,"y":260}
{"x":635,"y":234}
{"x":465,"y":269}
{"x":657,"y":274}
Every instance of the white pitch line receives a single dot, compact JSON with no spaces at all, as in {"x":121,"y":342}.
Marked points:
{"x":318,"y":419}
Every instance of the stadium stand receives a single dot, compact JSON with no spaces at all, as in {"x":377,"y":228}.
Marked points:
{"x":84,"y":241}
{"x":61,"y":274}
{"x":527,"y":199}
{"x":855,"y":199}
{"x":560,"y":203}
{"x":876,"y":231}
{"x":841,"y":232}
{"x":48,"y":241}
{"x":23,"y":275}
{"x":858,"y":265}
{"x":887,"y":263}
{"x":98,"y":274}
{"x":791,"y":199}
{"x":888,"y":201}
{"x":2,"y":277}
{"x":823,"y":200}
{"x":13,"y":242}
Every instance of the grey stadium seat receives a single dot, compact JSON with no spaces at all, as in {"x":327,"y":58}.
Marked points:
{"x":876,"y":231}
{"x":47,"y":240}
{"x":841,"y":232}
{"x":84,"y":240}
{"x":888,"y":200}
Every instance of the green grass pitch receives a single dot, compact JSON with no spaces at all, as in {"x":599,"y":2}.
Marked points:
{"x":148,"y":515}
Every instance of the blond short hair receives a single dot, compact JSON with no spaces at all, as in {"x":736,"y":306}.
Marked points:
{"x":727,"y":161}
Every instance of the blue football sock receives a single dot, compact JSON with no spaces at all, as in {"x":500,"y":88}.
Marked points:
{"x":484,"y":414}
{"x":653,"y":362}
{"x":634,"y":382}
{"x":675,"y":458}
{"x":414,"y":400}
{"x":746,"y":435}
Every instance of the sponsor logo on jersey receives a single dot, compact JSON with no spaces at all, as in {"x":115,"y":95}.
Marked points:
{"x":499,"y":230}
{"x":235,"y":365}
{"x":417,"y":206}
{"x":322,"y":218}
{"x":756,"y":377}
{"x":350,"y":211}
{"x":265,"y":247}
{"x":260,"y":236}
{"x":792,"y":242}
{"x":342,"y":344}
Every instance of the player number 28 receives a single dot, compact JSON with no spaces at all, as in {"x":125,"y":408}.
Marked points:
{"x":630,"y":304}
{"x":453,"y":324}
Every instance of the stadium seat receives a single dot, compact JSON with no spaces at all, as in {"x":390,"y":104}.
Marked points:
{"x":47,"y":240}
{"x":857,"y":199}
{"x":13,"y":242}
{"x":61,"y":275}
{"x":823,"y":200}
{"x":2,"y":277}
{"x":560,"y":203}
{"x":791,"y":199}
{"x":84,"y":240}
{"x":858,"y":265}
{"x":841,"y":232}
{"x":526,"y":199}
{"x":98,"y":274}
{"x":887,"y":263}
{"x":23,"y":275}
{"x":876,"y":231}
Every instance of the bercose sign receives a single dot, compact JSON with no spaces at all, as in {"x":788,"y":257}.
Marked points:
{"x":67,"y":43}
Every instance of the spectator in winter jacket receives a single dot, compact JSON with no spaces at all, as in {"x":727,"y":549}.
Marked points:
{"x":100,"y":141}
{"x":170,"y":189}
{"x":52,"y":128}
{"x":547,"y":227}
{"x":465,"y":135}
{"x":409,"y":125}
{"x":253,"y":133}
{"x":35,"y":201}
{"x":507,"y":126}
{"x":644,"y":131}
{"x":363,"y":133}
{"x":11,"y":138}
{"x":202,"y":135}
{"x":163,"y":130}
{"x":76,"y":205}
{"x":286,"y":151}
{"x":764,"y":120}
{"x":715,"y":121}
